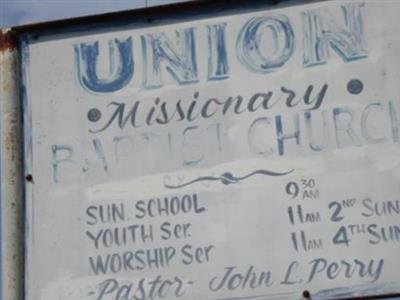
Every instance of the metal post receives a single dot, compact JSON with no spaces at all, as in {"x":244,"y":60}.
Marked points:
{"x":11,"y":184}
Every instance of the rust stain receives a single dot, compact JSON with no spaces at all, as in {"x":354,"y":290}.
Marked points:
{"x":12,"y":145}
{"x":7,"y":41}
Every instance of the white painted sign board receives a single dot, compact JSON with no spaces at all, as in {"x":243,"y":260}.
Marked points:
{"x":246,"y":155}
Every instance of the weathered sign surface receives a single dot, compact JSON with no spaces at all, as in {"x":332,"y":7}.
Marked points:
{"x":246,"y":155}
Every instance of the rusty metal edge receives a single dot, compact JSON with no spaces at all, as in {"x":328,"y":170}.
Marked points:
{"x":11,"y":201}
{"x":8,"y":40}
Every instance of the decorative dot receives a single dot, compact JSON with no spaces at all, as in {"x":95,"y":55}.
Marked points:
{"x":307,"y":294}
{"x":355,"y":86}
{"x":94,"y":115}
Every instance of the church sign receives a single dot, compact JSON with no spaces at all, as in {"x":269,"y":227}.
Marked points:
{"x":244,"y":154}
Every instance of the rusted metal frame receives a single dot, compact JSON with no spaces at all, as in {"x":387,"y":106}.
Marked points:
{"x":11,"y":185}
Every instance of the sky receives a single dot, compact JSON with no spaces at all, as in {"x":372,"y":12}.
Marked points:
{"x":22,"y":12}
